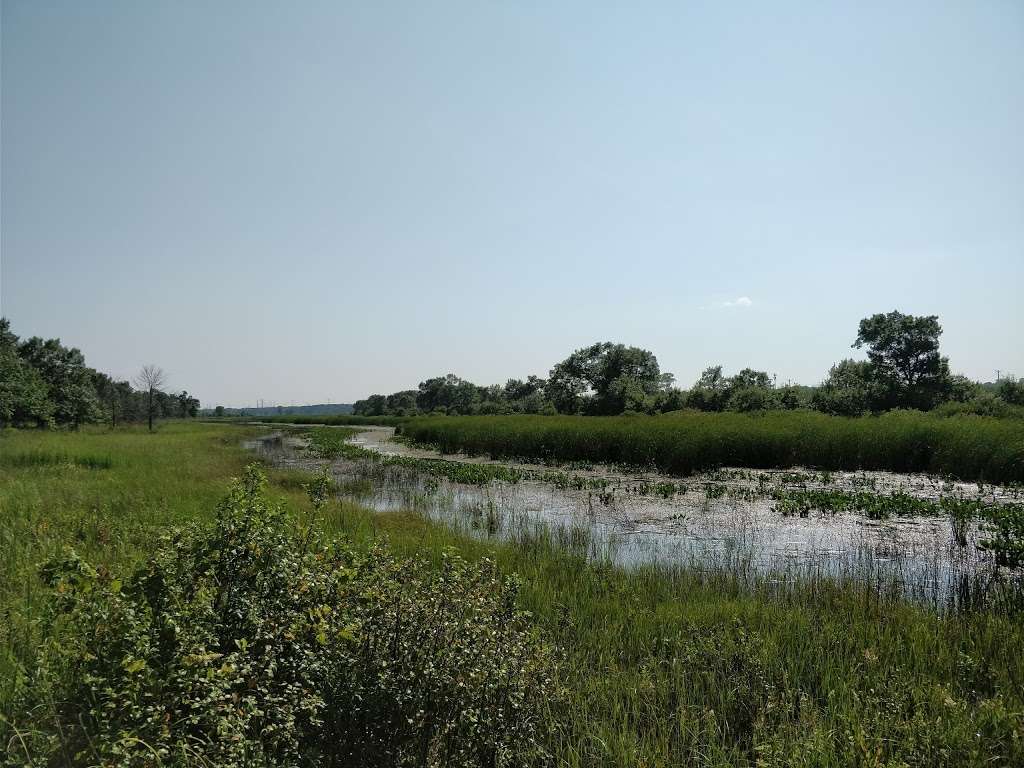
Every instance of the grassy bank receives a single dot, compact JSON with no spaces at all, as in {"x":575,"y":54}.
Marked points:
{"x":107,"y":494}
{"x":659,"y":665}
{"x":967,"y":447}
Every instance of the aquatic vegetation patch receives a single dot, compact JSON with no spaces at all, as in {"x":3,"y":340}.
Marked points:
{"x":1005,"y":524}
{"x":872,"y":505}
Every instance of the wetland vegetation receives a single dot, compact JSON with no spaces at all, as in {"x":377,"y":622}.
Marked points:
{"x":966,"y":447}
{"x":649,"y":665}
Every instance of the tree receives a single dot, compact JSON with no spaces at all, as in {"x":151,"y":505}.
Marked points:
{"x":790,"y":398}
{"x":188,"y":406}
{"x":149,"y":380}
{"x":109,"y":395}
{"x":751,"y":390}
{"x":605,"y":378}
{"x":710,"y":392}
{"x":371,"y":406}
{"x":448,"y":394}
{"x":1012,"y":391}
{"x":849,"y":390}
{"x":401,"y":403}
{"x":748,"y":377}
{"x":218,"y":411}
{"x":904,"y":354}
{"x":69,"y":382}
{"x":23,"y":392}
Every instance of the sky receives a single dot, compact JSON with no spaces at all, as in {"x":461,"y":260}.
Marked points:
{"x":310,"y":202}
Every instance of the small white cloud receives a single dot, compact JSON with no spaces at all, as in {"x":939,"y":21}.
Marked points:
{"x":742,"y":301}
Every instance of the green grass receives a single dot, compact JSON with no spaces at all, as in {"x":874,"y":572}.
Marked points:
{"x":660,"y":665}
{"x":967,"y":447}
{"x":55,"y":492}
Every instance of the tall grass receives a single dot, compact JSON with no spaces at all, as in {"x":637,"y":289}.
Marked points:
{"x":966,"y":447}
{"x":105,"y":493}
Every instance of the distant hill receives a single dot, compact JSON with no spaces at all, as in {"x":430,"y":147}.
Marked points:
{"x":323,"y":409}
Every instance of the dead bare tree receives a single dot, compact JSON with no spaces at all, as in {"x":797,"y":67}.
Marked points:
{"x":150,"y":378}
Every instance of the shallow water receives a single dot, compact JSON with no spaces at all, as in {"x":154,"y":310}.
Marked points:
{"x":710,"y":525}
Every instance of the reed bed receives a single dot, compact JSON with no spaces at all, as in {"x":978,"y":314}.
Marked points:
{"x":966,"y":447}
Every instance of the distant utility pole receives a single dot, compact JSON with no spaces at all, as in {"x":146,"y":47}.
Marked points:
{"x":997,"y":375}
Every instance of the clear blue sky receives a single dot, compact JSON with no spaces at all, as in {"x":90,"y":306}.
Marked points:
{"x":315,"y":201}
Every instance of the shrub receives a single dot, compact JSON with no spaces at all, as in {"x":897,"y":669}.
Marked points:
{"x":982,"y":404}
{"x":253,"y":642}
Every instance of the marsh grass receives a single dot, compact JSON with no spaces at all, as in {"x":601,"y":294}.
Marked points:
{"x":31,"y":459}
{"x":966,"y":447}
{"x":660,"y":665}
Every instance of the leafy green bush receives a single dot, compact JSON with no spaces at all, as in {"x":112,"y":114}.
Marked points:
{"x":253,"y":642}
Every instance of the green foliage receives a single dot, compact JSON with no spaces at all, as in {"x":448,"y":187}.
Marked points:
{"x":982,"y":404}
{"x":329,"y":442}
{"x":23,"y":392}
{"x":747,"y":392}
{"x":904,"y":370}
{"x":244,"y":643}
{"x":43,"y":383}
{"x":849,"y":390}
{"x":1006,"y":526}
{"x":904,"y":354}
{"x":1012,"y":391}
{"x":606,"y":378}
{"x":972,"y":448}
{"x":68,"y":381}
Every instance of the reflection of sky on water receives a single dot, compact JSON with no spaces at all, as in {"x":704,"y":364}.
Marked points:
{"x":918,"y":554}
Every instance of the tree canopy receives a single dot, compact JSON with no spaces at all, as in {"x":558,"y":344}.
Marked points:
{"x":44,"y":383}
{"x":904,"y":369}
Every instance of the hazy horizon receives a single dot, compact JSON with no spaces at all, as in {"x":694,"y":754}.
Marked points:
{"x":312,"y":204}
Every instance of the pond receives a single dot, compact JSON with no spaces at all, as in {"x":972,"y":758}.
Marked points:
{"x":727,"y":519}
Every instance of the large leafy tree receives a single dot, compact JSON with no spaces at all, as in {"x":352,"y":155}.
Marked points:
{"x":448,"y":394}
{"x":401,"y":403}
{"x":23,"y":392}
{"x":606,"y":378}
{"x":904,"y":354}
{"x":69,"y":381}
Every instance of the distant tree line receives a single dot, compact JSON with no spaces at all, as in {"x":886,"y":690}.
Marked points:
{"x":45,"y":384}
{"x":320,"y":409}
{"x":904,"y":369}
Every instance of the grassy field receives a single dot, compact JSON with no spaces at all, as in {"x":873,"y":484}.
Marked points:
{"x":967,"y":447}
{"x":106,"y":494}
{"x":659,"y":666}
